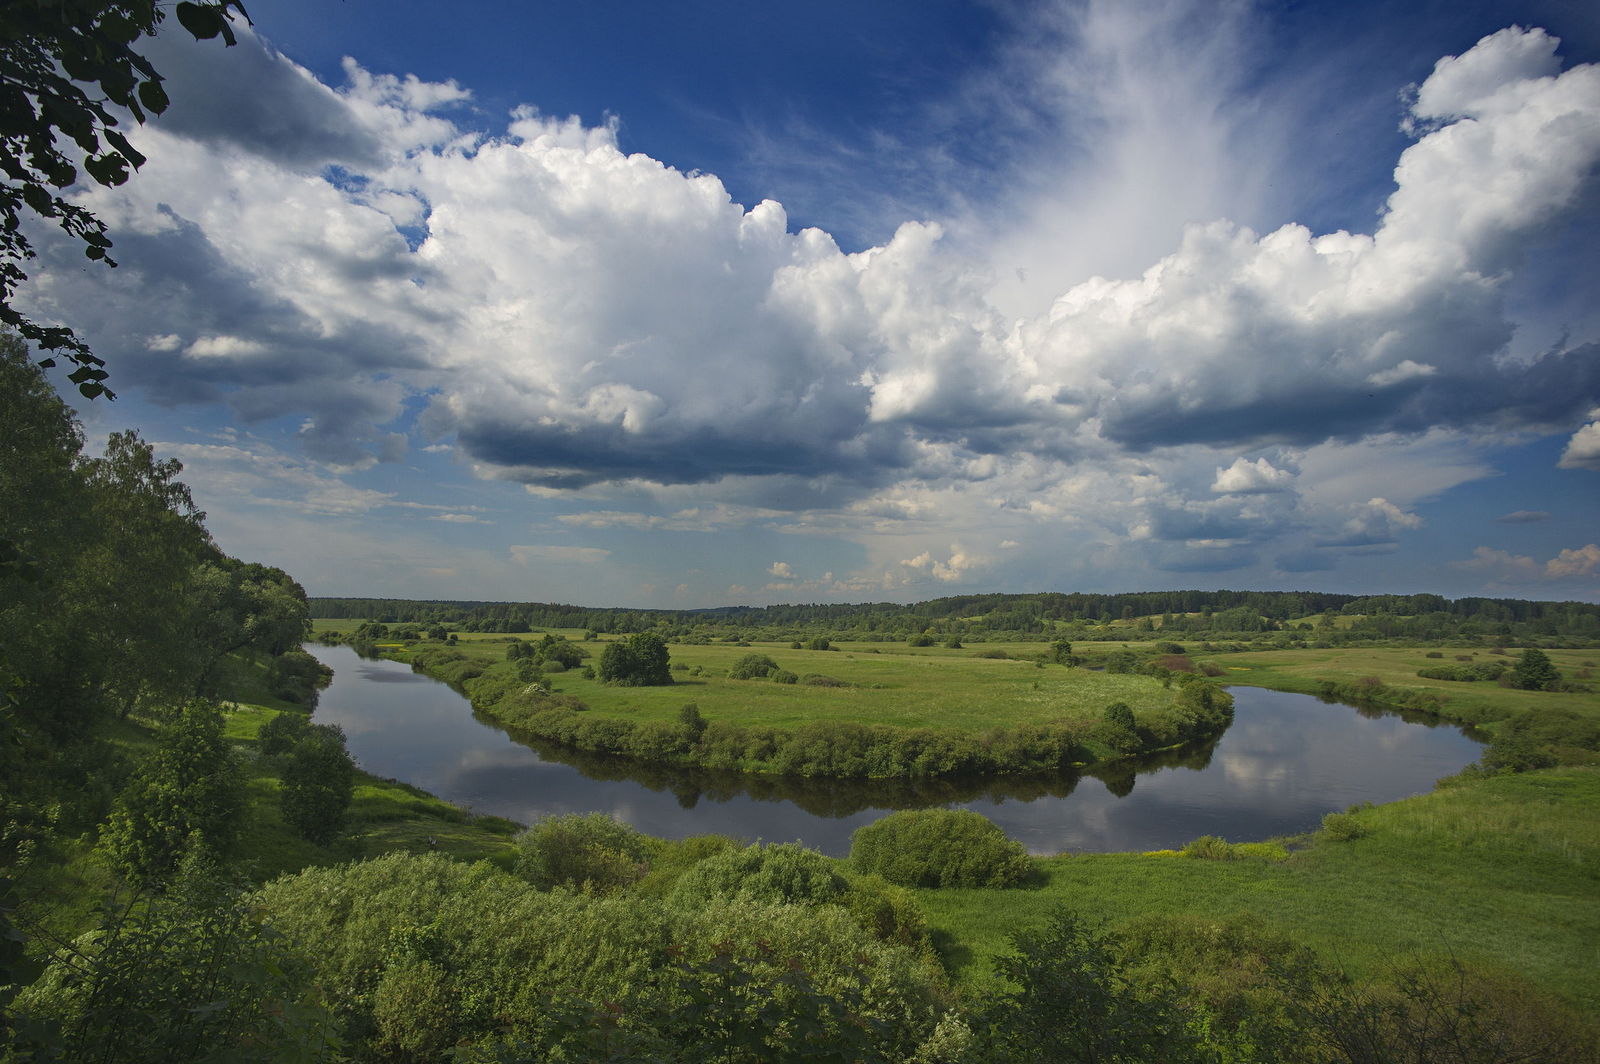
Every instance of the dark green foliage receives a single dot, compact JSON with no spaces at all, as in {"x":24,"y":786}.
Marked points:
{"x":784,"y":676}
{"x":776,"y":874}
{"x":751,"y":667}
{"x":689,"y":716}
{"x":817,"y":679}
{"x":920,"y":640}
{"x":190,"y":977}
{"x":588,"y":850}
{"x":819,"y":643}
{"x":187,"y":797}
{"x":1074,"y":998}
{"x":939,"y":848}
{"x":1534,"y":672}
{"x":1485,"y":670}
{"x":636,"y":661}
{"x":318,"y":783}
{"x":1119,"y":715}
{"x":296,"y":676}
{"x":278,"y":735}
{"x":1121,"y":661}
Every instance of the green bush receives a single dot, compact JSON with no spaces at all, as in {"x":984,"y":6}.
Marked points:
{"x":1211,"y":848}
{"x":751,"y":667}
{"x":318,"y":784}
{"x":783,"y":676}
{"x":278,"y":735}
{"x":590,"y":850}
{"x":939,"y":848}
{"x":784,"y":873}
{"x":1342,"y":827}
{"x":817,"y":679}
{"x":636,"y":661}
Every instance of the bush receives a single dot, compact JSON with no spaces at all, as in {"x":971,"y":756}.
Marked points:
{"x":783,"y":873}
{"x":817,"y":679}
{"x":1342,"y":827}
{"x":993,"y":652}
{"x":939,"y":848}
{"x":590,"y":850}
{"x":752,"y":666}
{"x":278,"y":735}
{"x":819,"y":643}
{"x":784,"y":676}
{"x":920,"y":641}
{"x":1211,"y":848}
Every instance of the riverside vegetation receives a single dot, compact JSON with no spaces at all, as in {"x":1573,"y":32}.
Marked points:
{"x":193,"y":871}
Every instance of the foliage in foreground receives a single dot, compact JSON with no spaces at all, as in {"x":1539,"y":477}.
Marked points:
{"x":421,"y":953}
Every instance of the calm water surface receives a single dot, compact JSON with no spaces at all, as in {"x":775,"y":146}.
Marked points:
{"x":1286,"y":761}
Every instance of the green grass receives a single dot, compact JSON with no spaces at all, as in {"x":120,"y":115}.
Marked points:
{"x":1472,"y":703}
{"x":1502,"y":872}
{"x":892,"y":684}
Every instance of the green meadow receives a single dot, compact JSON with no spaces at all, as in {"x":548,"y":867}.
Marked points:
{"x":1501,"y":872}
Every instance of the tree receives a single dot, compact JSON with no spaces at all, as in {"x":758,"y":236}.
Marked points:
{"x":637,"y":661}
{"x":188,"y":796}
{"x":318,"y":783}
{"x":67,"y":68}
{"x":1534,"y":671}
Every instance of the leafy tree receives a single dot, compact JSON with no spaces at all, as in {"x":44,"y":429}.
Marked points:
{"x":1534,"y":671}
{"x":64,"y":65}
{"x":1075,"y":999}
{"x":188,"y":796}
{"x":278,"y":735}
{"x":318,"y":783}
{"x":636,"y":661}
{"x":189,"y":977}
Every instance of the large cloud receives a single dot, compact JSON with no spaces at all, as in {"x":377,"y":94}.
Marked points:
{"x":577,"y":316}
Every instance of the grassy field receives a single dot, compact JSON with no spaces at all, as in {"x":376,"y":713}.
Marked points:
{"x":1503,"y":872}
{"x":893,"y":684}
{"x":1480,"y":701}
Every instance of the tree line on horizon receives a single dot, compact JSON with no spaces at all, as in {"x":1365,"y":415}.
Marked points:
{"x":1215,"y":614}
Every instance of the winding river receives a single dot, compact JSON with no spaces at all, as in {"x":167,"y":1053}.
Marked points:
{"x":1286,"y":760}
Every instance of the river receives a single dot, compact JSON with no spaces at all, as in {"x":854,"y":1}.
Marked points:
{"x":1286,"y":760}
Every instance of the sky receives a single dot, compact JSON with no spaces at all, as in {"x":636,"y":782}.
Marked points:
{"x":678,"y":306}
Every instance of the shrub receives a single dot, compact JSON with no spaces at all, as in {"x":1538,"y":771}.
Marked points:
{"x":817,"y":679}
{"x":939,"y":848}
{"x":784,"y":676}
{"x":1211,"y":848}
{"x":1534,"y":672}
{"x":783,"y":873}
{"x":278,"y":735}
{"x":582,"y":849}
{"x":920,"y":641}
{"x":819,"y":643}
{"x":992,"y":652}
{"x":1342,"y":827}
{"x":752,"y":666}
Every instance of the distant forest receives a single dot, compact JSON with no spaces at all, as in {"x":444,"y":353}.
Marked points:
{"x":1299,"y":616}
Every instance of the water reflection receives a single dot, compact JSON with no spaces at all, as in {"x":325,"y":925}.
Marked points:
{"x":1286,"y":760}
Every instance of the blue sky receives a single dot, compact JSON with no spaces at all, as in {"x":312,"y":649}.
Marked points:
{"x":630,"y":303}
